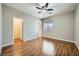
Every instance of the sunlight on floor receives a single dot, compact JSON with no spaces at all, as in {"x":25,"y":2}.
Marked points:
{"x":48,"y":48}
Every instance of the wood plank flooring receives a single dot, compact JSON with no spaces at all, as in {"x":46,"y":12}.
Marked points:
{"x":41,"y":47}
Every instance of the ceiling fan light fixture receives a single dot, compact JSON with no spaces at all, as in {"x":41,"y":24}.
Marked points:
{"x":44,"y":11}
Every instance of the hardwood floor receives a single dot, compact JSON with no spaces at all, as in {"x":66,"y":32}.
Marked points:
{"x":41,"y":47}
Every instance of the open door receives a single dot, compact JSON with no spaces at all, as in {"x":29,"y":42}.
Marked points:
{"x":17,"y":30}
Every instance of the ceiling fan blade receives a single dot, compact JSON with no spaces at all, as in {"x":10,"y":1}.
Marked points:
{"x":38,"y":7}
{"x":43,"y":7}
{"x":46,"y":5}
{"x":49,"y":9}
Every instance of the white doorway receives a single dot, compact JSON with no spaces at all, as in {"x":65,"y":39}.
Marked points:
{"x":17,"y":30}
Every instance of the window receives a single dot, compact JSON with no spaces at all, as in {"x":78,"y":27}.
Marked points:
{"x":48,"y":26}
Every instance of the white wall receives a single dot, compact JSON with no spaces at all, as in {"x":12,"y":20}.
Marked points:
{"x":63,"y":27}
{"x":0,"y":27}
{"x":77,"y":26}
{"x":30,"y":25}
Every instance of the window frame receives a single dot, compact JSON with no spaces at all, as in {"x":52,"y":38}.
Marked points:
{"x":48,"y":28}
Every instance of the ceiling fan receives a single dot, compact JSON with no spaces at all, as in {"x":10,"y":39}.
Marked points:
{"x":44,"y":8}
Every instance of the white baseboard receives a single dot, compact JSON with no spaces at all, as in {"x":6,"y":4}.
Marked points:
{"x":23,"y":40}
{"x":76,"y":44}
{"x":0,"y":51}
{"x":59,"y":39}
{"x":64,"y":40}
{"x":30,"y":39}
{"x":7,"y":44}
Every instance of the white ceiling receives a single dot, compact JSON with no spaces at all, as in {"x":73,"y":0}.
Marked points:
{"x":29,"y":8}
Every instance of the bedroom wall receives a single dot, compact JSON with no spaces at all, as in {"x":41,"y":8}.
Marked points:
{"x":77,"y":26}
{"x":0,"y":27}
{"x":30,"y":25}
{"x":63,"y":27}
